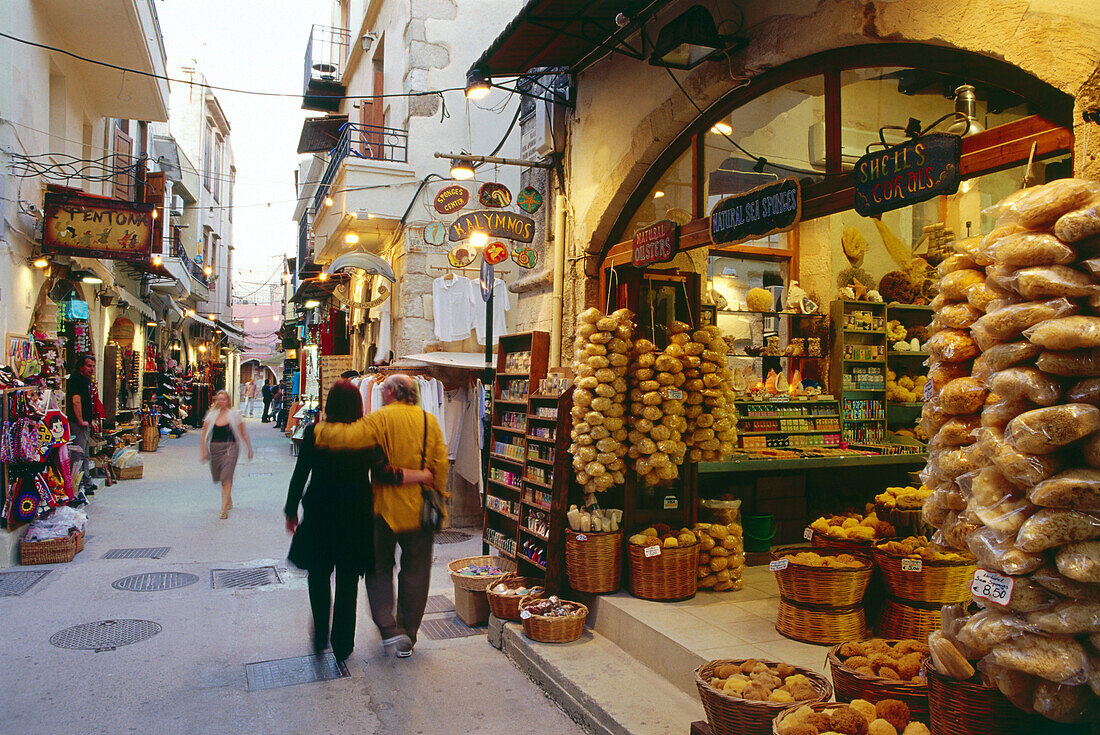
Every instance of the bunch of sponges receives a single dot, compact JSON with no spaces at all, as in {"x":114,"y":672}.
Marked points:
{"x":853,"y":527}
{"x":664,"y":536}
{"x":757,"y":681}
{"x":902,"y":498}
{"x":901,"y":660}
{"x":887,"y":717}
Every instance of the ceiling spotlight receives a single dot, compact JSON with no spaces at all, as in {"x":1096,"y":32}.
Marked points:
{"x":478,"y":239}
{"x":477,"y":86}
{"x":150,"y":323}
{"x":155,"y":213}
{"x":328,"y":201}
{"x":40,"y":262}
{"x":758,"y":167}
{"x":91,"y":278}
{"x":202,"y":348}
{"x":211,"y":317}
{"x":721,"y":128}
{"x":462,"y":169}
{"x":351,"y":238}
{"x":255,"y":320}
{"x":312,"y":304}
{"x":208,"y":270}
{"x":690,"y":39}
{"x":190,"y":312}
{"x":658,"y":194}
{"x":157,"y":260}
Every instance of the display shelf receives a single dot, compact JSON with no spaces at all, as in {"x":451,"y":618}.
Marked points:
{"x":510,"y":516}
{"x":788,"y":314}
{"x":860,"y":350}
{"x":529,"y":532}
{"x":505,"y":458}
{"x":501,"y":549}
{"x":540,"y":460}
{"x":511,"y":401}
{"x":508,"y":429}
{"x":548,"y":440}
{"x":538,"y":483}
{"x":536,"y":506}
{"x":796,"y":431}
{"x":897,"y":306}
{"x":532,"y":562}
{"x":503,"y":484}
{"x":908,"y":353}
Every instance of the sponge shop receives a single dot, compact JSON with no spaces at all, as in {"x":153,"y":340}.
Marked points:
{"x":907,"y":174}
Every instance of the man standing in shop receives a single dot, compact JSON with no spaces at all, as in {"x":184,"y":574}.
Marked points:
{"x":266,"y":393}
{"x":81,"y":413}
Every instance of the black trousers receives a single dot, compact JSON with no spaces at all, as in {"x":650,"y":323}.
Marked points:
{"x":343,"y":610}
{"x":267,"y":407}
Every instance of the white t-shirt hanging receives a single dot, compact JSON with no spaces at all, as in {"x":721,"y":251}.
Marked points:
{"x":384,"y":336}
{"x":451,"y":308}
{"x":500,"y":305}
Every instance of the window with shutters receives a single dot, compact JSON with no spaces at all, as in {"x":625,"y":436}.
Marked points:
{"x":207,"y":154}
{"x":123,"y":163}
{"x":216,"y":173}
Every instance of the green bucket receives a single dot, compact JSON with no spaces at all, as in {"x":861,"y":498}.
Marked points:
{"x":760,"y":529}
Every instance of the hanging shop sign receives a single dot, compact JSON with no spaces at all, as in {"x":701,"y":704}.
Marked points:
{"x":907,"y":173}
{"x":495,"y":252}
{"x":461,"y":256}
{"x":343,"y":294}
{"x":97,"y":228}
{"x":492,"y":194}
{"x":525,"y":257}
{"x":451,"y":198}
{"x":529,"y":199}
{"x":756,"y":213}
{"x":435,"y":233}
{"x":503,"y":225}
{"x":657,"y":243}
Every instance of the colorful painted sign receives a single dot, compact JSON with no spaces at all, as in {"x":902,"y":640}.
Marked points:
{"x":492,"y":194}
{"x":525,"y":257}
{"x":908,"y":173}
{"x":757,"y":212}
{"x":451,"y":198}
{"x":657,"y":243}
{"x":502,"y":225}
{"x":529,"y":199}
{"x":461,"y":256}
{"x":97,"y":228}
{"x":495,"y":252}
{"x":435,"y":233}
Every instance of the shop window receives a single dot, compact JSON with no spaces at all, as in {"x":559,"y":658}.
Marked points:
{"x":669,"y":198}
{"x":730,"y":280}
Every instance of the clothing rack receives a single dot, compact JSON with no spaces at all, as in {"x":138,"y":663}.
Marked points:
{"x":449,"y":269}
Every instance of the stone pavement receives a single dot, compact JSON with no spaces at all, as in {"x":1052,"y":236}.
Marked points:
{"x":190,"y":677}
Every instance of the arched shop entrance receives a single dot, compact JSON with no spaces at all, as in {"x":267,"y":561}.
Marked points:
{"x":121,"y":370}
{"x":61,"y":326}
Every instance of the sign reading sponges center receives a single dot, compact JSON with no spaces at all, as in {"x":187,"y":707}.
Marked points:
{"x":757,"y":213}
{"x":499,"y":224}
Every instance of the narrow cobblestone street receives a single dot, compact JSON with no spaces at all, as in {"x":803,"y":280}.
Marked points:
{"x":190,"y":677}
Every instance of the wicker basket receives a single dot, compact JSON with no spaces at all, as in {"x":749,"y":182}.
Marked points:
{"x":821,"y":541}
{"x":937,"y":581}
{"x":823,"y":626}
{"x":547,"y":629}
{"x":594,"y":561}
{"x":51,"y":551}
{"x":79,"y":541}
{"x":479,"y":584}
{"x":906,"y":522}
{"x":150,"y":438}
{"x":735,"y":716}
{"x":669,"y":576}
{"x":128,"y":473}
{"x":900,"y":619}
{"x":966,"y":708}
{"x":506,"y":607}
{"x":850,"y":685}
{"x":823,"y":586}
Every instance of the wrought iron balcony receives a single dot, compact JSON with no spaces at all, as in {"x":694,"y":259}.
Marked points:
{"x":194,"y":269}
{"x":362,"y":141}
{"x":326,"y":56}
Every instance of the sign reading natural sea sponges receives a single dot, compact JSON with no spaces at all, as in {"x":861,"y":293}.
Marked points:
{"x":756,"y":213}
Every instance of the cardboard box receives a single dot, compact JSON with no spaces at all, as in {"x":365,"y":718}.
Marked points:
{"x":471,"y":607}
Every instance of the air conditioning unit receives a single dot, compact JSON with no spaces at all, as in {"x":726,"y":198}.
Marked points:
{"x":853,"y":143}
{"x":177,"y":206}
{"x":542,"y":130}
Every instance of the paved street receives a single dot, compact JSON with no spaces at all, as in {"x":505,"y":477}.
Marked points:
{"x":190,"y":677}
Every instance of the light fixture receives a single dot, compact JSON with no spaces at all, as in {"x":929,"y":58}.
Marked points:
{"x":366,"y":41}
{"x":90,"y":278}
{"x":477,"y":86}
{"x":658,"y":194}
{"x":462,"y":169}
{"x":202,"y":348}
{"x":208,"y":270}
{"x":328,"y":201}
{"x":286,"y":278}
{"x":758,"y":167}
{"x":690,"y":39}
{"x":150,"y":323}
{"x":190,"y":312}
{"x":721,"y":128}
{"x":966,"y":109}
{"x":478,"y":239}
{"x":40,"y":262}
{"x":155,"y":213}
{"x":312,"y":304}
{"x":351,"y":238}
{"x":255,"y":320}
{"x":157,"y":260}
{"x":322,"y":276}
{"x":176,"y":346}
{"x":211,"y":317}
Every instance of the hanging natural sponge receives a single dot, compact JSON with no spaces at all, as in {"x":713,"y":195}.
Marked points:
{"x":759,"y":299}
{"x":896,"y":286}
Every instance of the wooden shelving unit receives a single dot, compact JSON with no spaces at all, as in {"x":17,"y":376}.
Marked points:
{"x":859,"y":369}
{"x":905,"y":415}
{"x":788,"y":424}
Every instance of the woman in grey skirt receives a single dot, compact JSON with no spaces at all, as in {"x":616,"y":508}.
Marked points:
{"x":223,"y":432}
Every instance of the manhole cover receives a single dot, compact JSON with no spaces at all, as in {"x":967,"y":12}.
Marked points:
{"x":285,"y":672}
{"x":243,"y":578}
{"x":104,"y":635}
{"x":450,"y":537}
{"x":439,"y":629}
{"x":152,"y":552}
{"x":154,"y":581}
{"x":13,"y":584}
{"x":439,"y":604}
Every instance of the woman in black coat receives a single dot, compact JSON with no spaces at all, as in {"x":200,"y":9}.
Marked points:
{"x":338,"y":512}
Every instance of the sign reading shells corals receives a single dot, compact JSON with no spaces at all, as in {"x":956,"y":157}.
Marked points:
{"x":907,"y":173}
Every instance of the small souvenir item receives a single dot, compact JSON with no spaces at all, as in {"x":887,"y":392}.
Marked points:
{"x":529,"y":199}
{"x":772,"y":347}
{"x":435,"y":233}
{"x":525,"y":257}
{"x":813,"y":346}
{"x":495,"y":252}
{"x":461,"y":256}
{"x":492,"y":194}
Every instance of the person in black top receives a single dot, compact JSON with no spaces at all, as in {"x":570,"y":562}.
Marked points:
{"x":266,"y":393}
{"x":80,"y":409}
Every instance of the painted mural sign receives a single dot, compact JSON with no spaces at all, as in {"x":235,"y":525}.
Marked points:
{"x":492,"y":194}
{"x":756,"y":213}
{"x":503,"y":225}
{"x":97,"y":228}
{"x":451,"y":198}
{"x":657,"y":243}
{"x":908,"y":173}
{"x":494,"y":253}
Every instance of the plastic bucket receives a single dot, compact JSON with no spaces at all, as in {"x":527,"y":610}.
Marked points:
{"x":759,"y":529}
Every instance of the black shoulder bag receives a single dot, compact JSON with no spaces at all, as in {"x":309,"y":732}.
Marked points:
{"x":431,"y":506}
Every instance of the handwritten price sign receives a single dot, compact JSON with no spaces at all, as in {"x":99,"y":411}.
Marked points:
{"x":992,"y":586}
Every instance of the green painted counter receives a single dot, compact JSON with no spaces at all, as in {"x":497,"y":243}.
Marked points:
{"x":811,"y":463}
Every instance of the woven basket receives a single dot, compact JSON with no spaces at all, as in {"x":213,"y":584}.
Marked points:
{"x":850,"y":685}
{"x":51,"y":551}
{"x":666,"y":577}
{"x":900,"y":619}
{"x":594,"y":561}
{"x":479,"y":584}
{"x":906,"y":522}
{"x":823,"y":626}
{"x":965,"y":708}
{"x":822,"y":586}
{"x":506,"y":607}
{"x":79,"y":541}
{"x":937,"y":581}
{"x":821,"y":541}
{"x":735,"y":716}
{"x":150,"y":438}
{"x":547,"y":629}
{"x":129,"y":473}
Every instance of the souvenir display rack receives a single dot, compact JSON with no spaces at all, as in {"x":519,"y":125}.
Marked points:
{"x":907,"y":362}
{"x":788,"y":424}
{"x":806,"y":346}
{"x":859,"y":369}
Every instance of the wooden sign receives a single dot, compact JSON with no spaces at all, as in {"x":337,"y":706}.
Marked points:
{"x":435,"y":233}
{"x":451,"y":198}
{"x":495,"y":253}
{"x":757,"y":213}
{"x":501,"y":225}
{"x":461,"y":256}
{"x":529,"y":199}
{"x":908,"y":173}
{"x":525,"y":257}
{"x":492,"y":194}
{"x":95,"y":227}
{"x":332,"y":367}
{"x":657,"y":243}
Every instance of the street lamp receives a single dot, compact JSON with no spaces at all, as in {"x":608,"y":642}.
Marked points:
{"x":477,"y":85}
{"x":462,"y":169}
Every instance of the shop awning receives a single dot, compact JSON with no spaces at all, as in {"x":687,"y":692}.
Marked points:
{"x":201,"y":320}
{"x":320,"y":133}
{"x":135,"y":303}
{"x":367,"y":261}
{"x":462,"y":360}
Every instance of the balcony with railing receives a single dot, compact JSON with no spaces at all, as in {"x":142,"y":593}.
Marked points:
{"x":363,"y":142}
{"x":194,"y":270}
{"x":326,"y":58}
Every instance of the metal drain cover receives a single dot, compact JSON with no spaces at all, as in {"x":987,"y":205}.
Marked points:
{"x":13,"y":584}
{"x":439,"y":604}
{"x":104,"y":635}
{"x":154,"y":581}
{"x":244,"y":578}
{"x":285,"y":672}
{"x":450,"y":537}
{"x":152,"y":552}
{"x":440,"y":629}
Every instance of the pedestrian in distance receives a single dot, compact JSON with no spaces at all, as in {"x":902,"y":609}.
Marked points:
{"x":248,"y":396}
{"x":276,"y":403}
{"x":336,"y":530}
{"x":80,"y":395}
{"x":223,"y":432}
{"x":266,"y":394}
{"x":408,"y":437}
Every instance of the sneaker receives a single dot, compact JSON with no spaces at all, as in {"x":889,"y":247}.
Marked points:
{"x":78,"y":501}
{"x":403,"y":646}
{"x":89,"y":490}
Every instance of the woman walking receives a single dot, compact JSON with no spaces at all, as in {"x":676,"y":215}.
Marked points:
{"x":223,"y":432}
{"x":336,"y":530}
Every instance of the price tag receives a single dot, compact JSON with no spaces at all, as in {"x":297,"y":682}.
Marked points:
{"x":525,"y":614}
{"x":675,"y":394}
{"x":912,"y":565}
{"x":992,"y":586}
{"x":928,"y":391}
{"x":651,"y":551}
{"x":671,"y":502}
{"x":778,"y":565}
{"x":582,"y":537}
{"x":808,"y":534}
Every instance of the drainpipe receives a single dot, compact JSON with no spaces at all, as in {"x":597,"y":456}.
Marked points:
{"x":558,"y":233}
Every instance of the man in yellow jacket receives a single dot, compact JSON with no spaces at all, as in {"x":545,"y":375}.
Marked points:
{"x":410,"y":437}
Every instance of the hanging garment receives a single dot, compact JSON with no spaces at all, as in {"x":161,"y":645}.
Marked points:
{"x":467,"y":450}
{"x":452,"y":309}
{"x":456,"y":403}
{"x":384,"y":335}
{"x":501,"y":304}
